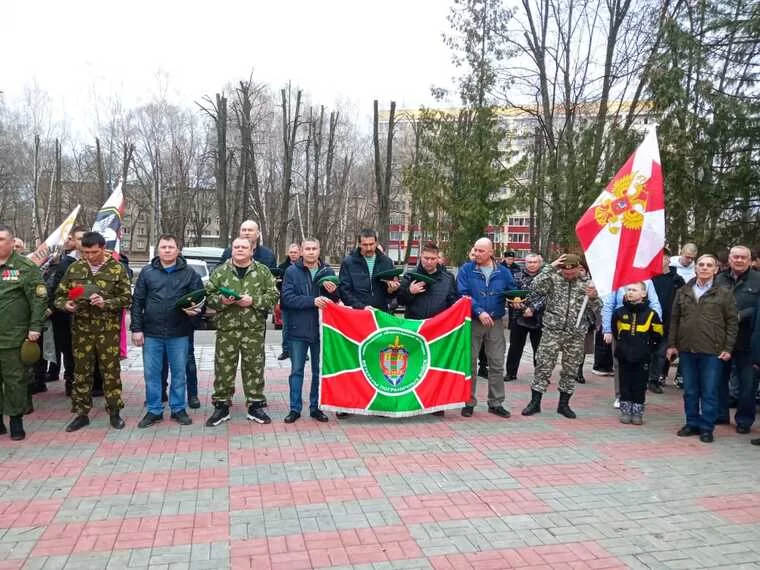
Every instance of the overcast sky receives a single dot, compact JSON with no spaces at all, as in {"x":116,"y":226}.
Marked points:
{"x":80,"y":51}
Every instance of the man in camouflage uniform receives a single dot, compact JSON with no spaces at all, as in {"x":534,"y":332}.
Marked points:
{"x":565,"y":290}
{"x":95,"y":326}
{"x":23,"y":300}
{"x":241,"y":324}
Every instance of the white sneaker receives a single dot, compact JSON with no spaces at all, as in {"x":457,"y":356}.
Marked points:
{"x":596,"y":372}
{"x":616,"y":405}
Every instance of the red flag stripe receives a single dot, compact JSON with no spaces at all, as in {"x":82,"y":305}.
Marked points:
{"x":441,"y":323}
{"x":442,"y":387}
{"x":354,"y":324}
{"x":334,"y":392}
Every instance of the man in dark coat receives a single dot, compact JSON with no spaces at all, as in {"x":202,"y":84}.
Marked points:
{"x":294,"y":253}
{"x":303,"y":294}
{"x":666,"y":285}
{"x":163,"y":329}
{"x":423,"y":300}
{"x":250,"y":230}
{"x":745,"y":285}
{"x":359,"y":285}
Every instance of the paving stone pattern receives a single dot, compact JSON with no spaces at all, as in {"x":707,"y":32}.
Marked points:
{"x":373,"y":493}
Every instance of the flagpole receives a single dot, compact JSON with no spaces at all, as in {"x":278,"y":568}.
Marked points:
{"x":580,"y":313}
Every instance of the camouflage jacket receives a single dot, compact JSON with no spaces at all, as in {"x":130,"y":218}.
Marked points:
{"x":23,"y":300}
{"x":563,"y":299}
{"x":258,"y":282}
{"x":111,"y":283}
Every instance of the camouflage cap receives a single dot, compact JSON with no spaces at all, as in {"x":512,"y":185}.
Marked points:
{"x":571,"y":261}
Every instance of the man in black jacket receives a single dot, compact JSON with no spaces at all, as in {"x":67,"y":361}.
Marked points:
{"x":359,"y":285}
{"x":163,"y":329}
{"x":250,"y":230}
{"x":294,"y":253}
{"x":424,"y":300}
{"x":62,"y":319}
{"x":524,"y":317}
{"x":666,"y":285}
{"x":745,"y":284}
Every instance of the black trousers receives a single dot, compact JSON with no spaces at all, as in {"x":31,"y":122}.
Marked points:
{"x":633,"y":381}
{"x":518,"y":335}
{"x":62,"y":334}
{"x":602,"y":353}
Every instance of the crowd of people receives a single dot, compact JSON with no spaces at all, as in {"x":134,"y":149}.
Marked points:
{"x":700,"y":311}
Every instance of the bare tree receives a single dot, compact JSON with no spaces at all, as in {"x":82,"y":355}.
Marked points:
{"x":290,"y":124}
{"x":383,"y":183}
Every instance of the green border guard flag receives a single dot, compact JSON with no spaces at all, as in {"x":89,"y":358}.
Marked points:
{"x":375,"y":363}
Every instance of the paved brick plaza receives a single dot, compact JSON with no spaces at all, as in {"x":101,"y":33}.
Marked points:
{"x":441,"y":493}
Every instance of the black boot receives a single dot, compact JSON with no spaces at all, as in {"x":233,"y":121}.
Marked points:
{"x":115,"y":420}
{"x":564,"y":405}
{"x":17,"y":428}
{"x":534,"y":407}
{"x":3,"y":431}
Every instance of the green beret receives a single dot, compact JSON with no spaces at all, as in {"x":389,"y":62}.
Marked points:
{"x":420,"y":277}
{"x":390,"y":273}
{"x":192,"y":298}
{"x":328,"y":279}
{"x":227,"y":292}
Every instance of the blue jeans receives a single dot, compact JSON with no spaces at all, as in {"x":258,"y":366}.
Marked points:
{"x":175,"y":350}
{"x":741,"y":361}
{"x":702,"y":375}
{"x":298,"y":350}
{"x":285,"y":340}
{"x":191,"y":373}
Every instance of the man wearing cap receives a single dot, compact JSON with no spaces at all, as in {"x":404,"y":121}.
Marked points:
{"x":487,"y":283}
{"x":250,"y":231}
{"x":565,"y":291}
{"x":360,"y":286}
{"x":508,"y":261}
{"x":95,"y":289}
{"x":242,"y":291}
{"x":307,"y":287}
{"x":23,"y":301}
{"x":163,"y":329}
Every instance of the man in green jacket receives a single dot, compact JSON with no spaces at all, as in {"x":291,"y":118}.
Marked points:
{"x":95,"y":289}
{"x":242,"y":291}
{"x":23,"y":300}
{"x":703,"y":327}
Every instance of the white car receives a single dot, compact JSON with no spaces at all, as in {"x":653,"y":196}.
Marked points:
{"x":200,"y":267}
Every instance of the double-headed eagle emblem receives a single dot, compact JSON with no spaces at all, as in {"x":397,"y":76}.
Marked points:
{"x":626,"y":209}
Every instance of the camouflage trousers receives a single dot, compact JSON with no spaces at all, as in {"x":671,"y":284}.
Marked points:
{"x":87,"y":347}
{"x":554,"y":341}
{"x":13,"y":376}
{"x":246,"y":346}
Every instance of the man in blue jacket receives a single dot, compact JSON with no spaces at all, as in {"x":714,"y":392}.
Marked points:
{"x":162,"y":329}
{"x":487,"y":283}
{"x":302,"y":296}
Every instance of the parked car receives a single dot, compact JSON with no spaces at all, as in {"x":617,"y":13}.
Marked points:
{"x":200,"y":267}
{"x":211,"y":255}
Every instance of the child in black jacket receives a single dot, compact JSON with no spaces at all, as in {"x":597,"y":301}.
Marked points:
{"x":638,"y":331}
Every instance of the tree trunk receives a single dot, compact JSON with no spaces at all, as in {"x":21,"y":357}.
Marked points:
{"x":290,"y":124}
{"x":383,"y":185}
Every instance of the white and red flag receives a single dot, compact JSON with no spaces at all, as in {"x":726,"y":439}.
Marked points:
{"x":623,"y":232}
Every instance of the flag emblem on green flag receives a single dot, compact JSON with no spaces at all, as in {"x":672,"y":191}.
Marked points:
{"x":375,"y":363}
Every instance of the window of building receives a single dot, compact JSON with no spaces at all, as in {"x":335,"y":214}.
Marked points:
{"x":395,"y":236}
{"x":518,"y":238}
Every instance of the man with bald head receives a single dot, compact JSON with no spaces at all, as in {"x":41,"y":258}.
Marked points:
{"x":745,"y":284}
{"x":487,"y":283}
{"x":250,"y":230}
